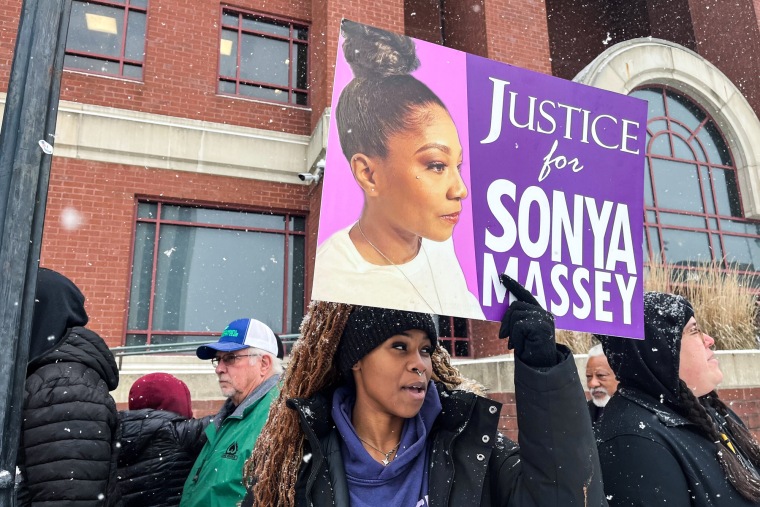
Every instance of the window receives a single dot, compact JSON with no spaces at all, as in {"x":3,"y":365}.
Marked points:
{"x":107,"y":37}
{"x":453,"y":335}
{"x":693,"y":211}
{"x":197,"y":269}
{"x":263,"y":58}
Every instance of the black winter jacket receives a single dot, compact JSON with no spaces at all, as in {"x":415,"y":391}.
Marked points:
{"x":472,"y":464}
{"x":652,"y":456}
{"x":69,"y":440}
{"x":158,"y":449}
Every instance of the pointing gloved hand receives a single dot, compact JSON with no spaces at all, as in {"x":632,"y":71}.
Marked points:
{"x":529,"y":327}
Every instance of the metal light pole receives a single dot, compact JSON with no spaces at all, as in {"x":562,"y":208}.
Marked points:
{"x":25,"y":137}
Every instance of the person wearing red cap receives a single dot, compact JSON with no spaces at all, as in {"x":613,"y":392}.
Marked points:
{"x":248,"y":368}
{"x":160,"y":441}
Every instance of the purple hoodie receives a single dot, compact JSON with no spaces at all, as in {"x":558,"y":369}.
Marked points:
{"x":404,"y":482}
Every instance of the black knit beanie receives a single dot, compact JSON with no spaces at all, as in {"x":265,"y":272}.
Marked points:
{"x":368,"y":327}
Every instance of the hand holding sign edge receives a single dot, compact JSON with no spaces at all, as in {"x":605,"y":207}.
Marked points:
{"x":529,"y":327}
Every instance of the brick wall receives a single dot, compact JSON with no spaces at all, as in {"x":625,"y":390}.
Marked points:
{"x":96,"y":256}
{"x":517,"y":33}
{"x":180,"y":67}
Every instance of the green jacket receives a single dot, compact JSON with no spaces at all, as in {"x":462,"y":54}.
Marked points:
{"x":216,"y":478}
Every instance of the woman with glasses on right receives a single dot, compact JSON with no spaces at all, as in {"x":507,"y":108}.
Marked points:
{"x":666,"y":438}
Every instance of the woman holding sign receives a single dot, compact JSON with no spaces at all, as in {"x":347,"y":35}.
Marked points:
{"x":372,"y":413}
{"x":665,"y":437}
{"x":404,"y":152}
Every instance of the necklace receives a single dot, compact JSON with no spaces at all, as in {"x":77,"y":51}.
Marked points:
{"x":387,"y":455}
{"x":432,"y":276}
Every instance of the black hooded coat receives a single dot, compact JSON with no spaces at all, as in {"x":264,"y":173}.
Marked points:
{"x":70,"y":434}
{"x":650,"y":454}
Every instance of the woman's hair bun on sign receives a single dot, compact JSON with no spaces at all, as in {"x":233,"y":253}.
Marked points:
{"x":375,"y":54}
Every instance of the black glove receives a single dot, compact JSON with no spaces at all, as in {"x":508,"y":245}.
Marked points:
{"x":529,"y":327}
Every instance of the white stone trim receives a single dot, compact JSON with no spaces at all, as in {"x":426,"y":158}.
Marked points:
{"x":121,"y":136}
{"x":648,"y":61}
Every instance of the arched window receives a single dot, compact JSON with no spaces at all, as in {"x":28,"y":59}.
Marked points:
{"x":693,"y":209}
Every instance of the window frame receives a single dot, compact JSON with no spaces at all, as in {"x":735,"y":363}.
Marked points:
{"x":127,"y":7}
{"x":714,"y":222}
{"x":287,"y":215}
{"x":451,"y":342}
{"x":292,"y":41}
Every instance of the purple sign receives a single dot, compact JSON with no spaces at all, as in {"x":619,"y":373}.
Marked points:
{"x":445,"y":169}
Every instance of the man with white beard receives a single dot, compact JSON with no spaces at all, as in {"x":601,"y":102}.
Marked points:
{"x":600,"y":380}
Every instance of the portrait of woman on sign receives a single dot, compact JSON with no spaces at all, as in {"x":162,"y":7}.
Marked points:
{"x":386,"y":238}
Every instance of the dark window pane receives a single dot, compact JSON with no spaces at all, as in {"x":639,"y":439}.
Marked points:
{"x":654,"y":98}
{"x":714,"y":224}
{"x":197,"y":268}
{"x":91,"y":64}
{"x":714,"y":146}
{"x":677,"y":185}
{"x":301,"y":33}
{"x":657,"y":126}
{"x":95,"y":29}
{"x":300,"y":99}
{"x":680,"y":220}
{"x":727,"y":192}
{"x":142,"y":276}
{"x":261,"y":92}
{"x":444,"y":326}
{"x":686,"y":248}
{"x":661,"y":146}
{"x":171,"y":339}
{"x":651,"y":217}
{"x":682,"y":150}
{"x":228,"y":54}
{"x":133,"y":71}
{"x":138,"y":3}
{"x":230,"y":19}
{"x":135,"y":49}
{"x":136,"y":339}
{"x":226,"y":87}
{"x":222,"y":217}
{"x":704,"y":173}
{"x":654,"y":237}
{"x":264,"y":60}
{"x":147,"y":210}
{"x":648,"y":195}
{"x":742,"y":252}
{"x":299,"y":68}
{"x":460,"y":327}
{"x":741,"y":227}
{"x":461,"y":348}
{"x":717,"y":249}
{"x":296,"y":277}
{"x":258,"y":25}
{"x":684,"y":110}
{"x":297,"y":224}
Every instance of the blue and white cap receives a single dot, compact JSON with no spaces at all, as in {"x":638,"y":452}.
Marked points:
{"x":241,"y":334}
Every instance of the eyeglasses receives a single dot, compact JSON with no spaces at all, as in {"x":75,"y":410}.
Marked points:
{"x":230,"y":359}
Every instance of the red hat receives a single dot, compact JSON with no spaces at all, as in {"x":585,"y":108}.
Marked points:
{"x":161,"y":391}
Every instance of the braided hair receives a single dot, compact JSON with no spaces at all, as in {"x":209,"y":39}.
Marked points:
{"x":746,"y":481}
{"x":272,"y":469}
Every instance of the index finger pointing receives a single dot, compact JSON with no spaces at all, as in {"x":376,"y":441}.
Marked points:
{"x":520,"y":292}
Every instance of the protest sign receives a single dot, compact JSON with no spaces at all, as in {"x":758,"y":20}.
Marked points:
{"x":491,"y":169}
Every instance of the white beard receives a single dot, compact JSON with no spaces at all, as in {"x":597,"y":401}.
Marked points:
{"x":601,"y":403}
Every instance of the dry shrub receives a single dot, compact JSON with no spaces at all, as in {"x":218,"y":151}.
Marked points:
{"x":724,"y":306}
{"x":577,"y":342}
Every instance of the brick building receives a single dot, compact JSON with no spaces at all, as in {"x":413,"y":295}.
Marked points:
{"x":174,"y":199}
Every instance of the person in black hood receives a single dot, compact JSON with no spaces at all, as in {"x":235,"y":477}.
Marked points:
{"x":70,"y":433}
{"x":666,"y":438}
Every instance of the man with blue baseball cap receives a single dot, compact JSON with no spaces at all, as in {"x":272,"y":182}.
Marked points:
{"x":248,"y":368}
